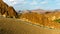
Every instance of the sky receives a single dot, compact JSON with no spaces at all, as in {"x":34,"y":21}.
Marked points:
{"x":34,"y":4}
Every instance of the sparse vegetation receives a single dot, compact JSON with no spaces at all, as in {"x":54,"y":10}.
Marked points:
{"x":57,"y":20}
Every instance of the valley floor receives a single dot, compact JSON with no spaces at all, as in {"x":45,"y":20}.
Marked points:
{"x":16,"y":26}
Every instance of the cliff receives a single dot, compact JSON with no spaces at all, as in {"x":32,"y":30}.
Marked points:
{"x":6,"y":10}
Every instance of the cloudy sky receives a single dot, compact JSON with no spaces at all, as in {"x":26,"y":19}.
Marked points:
{"x":34,"y":4}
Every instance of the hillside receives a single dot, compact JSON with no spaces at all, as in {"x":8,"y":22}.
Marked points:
{"x":50,"y":18}
{"x":32,"y":17}
{"x":42,"y":19}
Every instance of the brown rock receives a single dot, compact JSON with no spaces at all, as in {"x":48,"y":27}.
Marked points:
{"x":11,"y":12}
{"x":6,"y":10}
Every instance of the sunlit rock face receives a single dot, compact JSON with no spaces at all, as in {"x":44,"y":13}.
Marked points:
{"x":46,"y":19}
{"x":49,"y":19}
{"x":7,"y":10}
{"x":32,"y":17}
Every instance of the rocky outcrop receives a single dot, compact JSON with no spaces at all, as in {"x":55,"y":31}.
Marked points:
{"x":3,"y":7}
{"x":7,"y":10}
{"x":11,"y":12}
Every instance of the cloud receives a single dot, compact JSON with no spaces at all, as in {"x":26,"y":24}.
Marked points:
{"x":17,"y":1}
{"x":37,"y":7}
{"x":44,"y":2}
{"x":11,"y":0}
{"x":33,"y":3}
{"x":14,"y":3}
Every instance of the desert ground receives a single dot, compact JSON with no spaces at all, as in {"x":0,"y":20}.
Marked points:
{"x":16,"y":26}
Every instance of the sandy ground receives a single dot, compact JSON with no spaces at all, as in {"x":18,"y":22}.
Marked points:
{"x":14,"y":26}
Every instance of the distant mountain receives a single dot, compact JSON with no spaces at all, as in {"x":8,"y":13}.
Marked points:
{"x":26,"y":11}
{"x":39,"y":11}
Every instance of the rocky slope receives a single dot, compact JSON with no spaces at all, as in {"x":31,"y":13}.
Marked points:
{"x":46,"y":19}
{"x":7,"y":10}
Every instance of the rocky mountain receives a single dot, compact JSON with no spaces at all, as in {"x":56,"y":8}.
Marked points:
{"x":45,"y":19}
{"x":6,"y":10}
{"x":3,"y":7}
{"x":39,"y":11}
